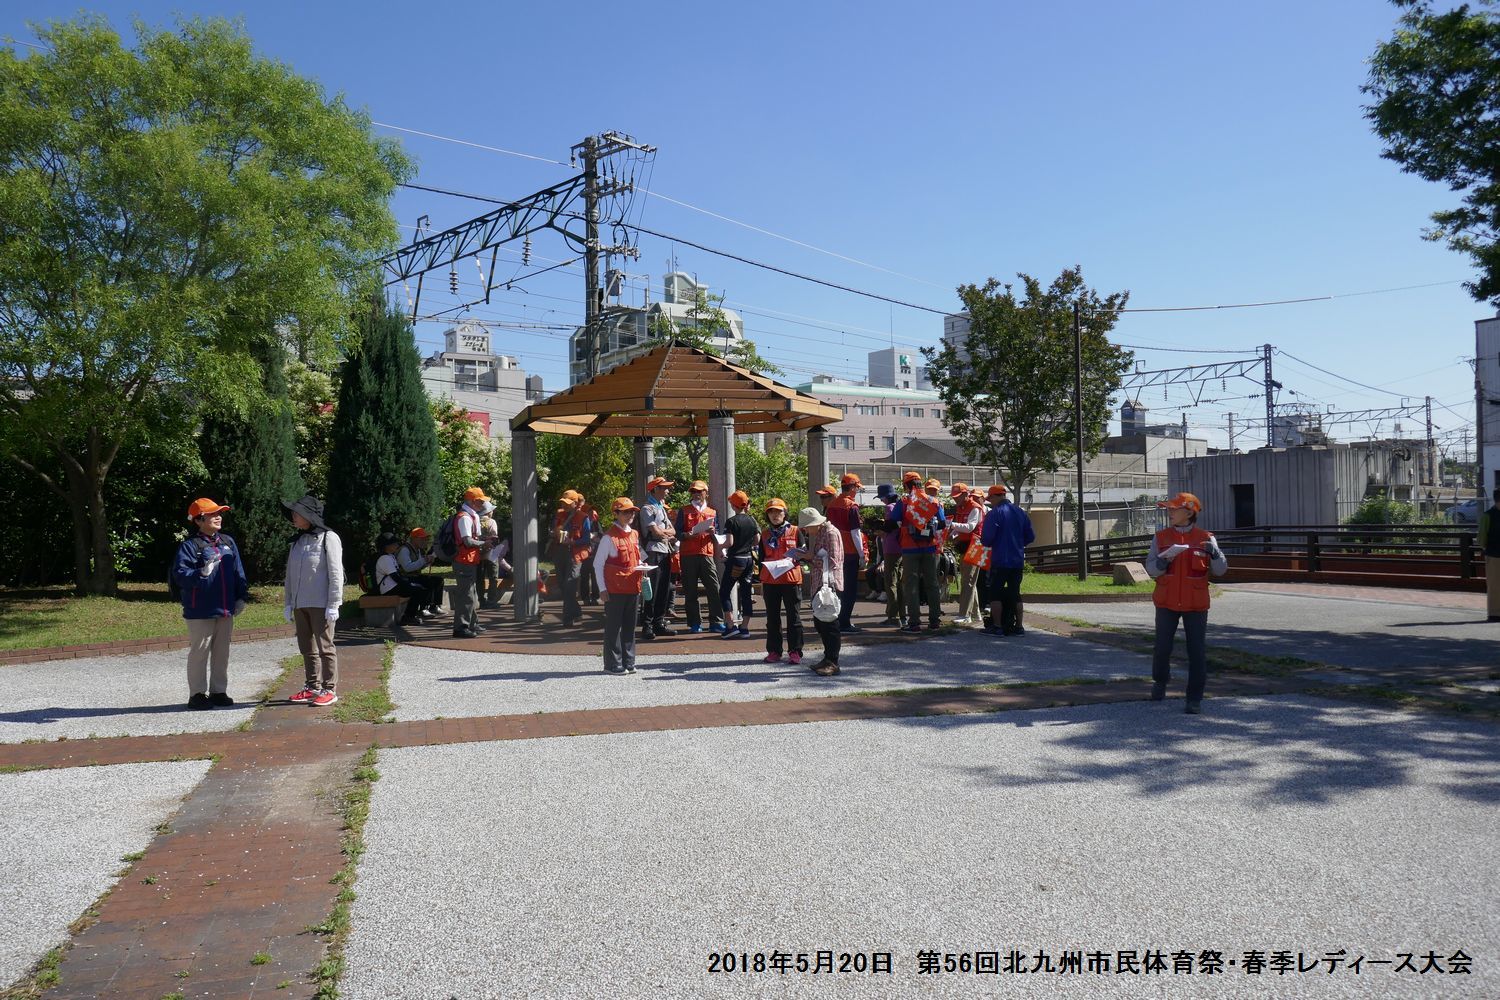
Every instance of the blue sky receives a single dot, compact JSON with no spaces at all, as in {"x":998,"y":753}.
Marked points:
{"x":1194,"y":154}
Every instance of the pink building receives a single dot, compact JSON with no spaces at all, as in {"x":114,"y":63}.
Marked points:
{"x":877,"y":420}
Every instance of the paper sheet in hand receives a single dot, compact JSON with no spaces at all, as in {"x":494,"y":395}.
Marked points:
{"x":702,"y":526}
{"x":779,"y":567}
{"x":1172,"y":551}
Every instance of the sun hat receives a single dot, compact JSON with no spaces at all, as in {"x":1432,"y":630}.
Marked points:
{"x":809,"y":518}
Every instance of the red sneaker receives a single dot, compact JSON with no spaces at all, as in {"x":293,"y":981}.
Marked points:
{"x":325,"y":698}
{"x":794,"y":658}
{"x":306,"y":694}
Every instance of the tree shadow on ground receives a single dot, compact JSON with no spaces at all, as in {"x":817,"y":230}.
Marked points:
{"x":38,"y":716}
{"x":1359,"y":649}
{"x":1282,"y":750}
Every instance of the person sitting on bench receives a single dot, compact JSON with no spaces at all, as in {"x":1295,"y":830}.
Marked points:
{"x":391,"y":582}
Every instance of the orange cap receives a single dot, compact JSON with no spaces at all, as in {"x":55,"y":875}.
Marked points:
{"x":1185,"y":500}
{"x":776,"y":503}
{"x":739,"y":499}
{"x":934,"y":484}
{"x":911,"y":477}
{"x":656,"y":481}
{"x":474,"y":493}
{"x":697,"y":485}
{"x":959,"y":489}
{"x":203,"y":505}
{"x":418,"y":532}
{"x":571,"y":496}
{"x":826,"y":491}
{"x":622,"y":504}
{"x":850,"y":479}
{"x":998,"y":490}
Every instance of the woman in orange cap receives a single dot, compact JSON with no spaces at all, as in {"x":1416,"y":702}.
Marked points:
{"x":1181,"y":558}
{"x":619,"y":567}
{"x":739,"y":538}
{"x":781,"y":582}
{"x":210,"y":578}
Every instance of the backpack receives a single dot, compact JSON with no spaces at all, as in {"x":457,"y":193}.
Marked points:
{"x":174,"y":587}
{"x":369,"y":581}
{"x":445,"y":548}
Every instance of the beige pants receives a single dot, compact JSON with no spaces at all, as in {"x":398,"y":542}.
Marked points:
{"x":968,"y":590}
{"x":208,"y":654}
{"x":1492,"y":585}
{"x":320,"y":661}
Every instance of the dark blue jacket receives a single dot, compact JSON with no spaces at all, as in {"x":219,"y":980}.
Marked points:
{"x":1006,"y":533}
{"x":215,"y":595}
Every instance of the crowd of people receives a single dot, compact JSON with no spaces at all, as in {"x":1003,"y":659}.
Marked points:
{"x":909,"y":550}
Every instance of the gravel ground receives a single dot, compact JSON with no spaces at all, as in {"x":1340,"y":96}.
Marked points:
{"x":615,"y":865}
{"x":427,"y":683}
{"x":62,"y":835}
{"x":1348,"y":633}
{"x":141,"y":695}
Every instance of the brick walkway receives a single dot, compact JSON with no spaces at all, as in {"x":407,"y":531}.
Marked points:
{"x":247,"y":864}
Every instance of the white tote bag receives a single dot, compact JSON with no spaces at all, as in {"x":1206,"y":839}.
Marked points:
{"x":825,"y":603}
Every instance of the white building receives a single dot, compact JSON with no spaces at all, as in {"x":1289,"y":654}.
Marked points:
{"x":626,"y":331}
{"x":956,"y":334}
{"x":899,"y":368}
{"x":492,"y":387}
{"x":1487,"y":354}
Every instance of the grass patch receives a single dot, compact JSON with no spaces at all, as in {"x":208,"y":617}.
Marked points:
{"x":41,"y":617}
{"x":43,"y":976}
{"x":260,"y":958}
{"x":372,"y":705}
{"x":1038,"y":584}
{"x":356,"y":810}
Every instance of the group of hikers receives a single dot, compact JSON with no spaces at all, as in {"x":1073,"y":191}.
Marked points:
{"x":909,"y":549}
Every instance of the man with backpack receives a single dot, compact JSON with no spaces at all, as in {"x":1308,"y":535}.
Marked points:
{"x":467,"y":540}
{"x":920,"y":519}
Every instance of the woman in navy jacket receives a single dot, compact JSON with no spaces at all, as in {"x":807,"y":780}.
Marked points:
{"x":212,"y":582}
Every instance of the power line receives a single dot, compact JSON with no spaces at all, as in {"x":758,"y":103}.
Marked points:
{"x":476,"y":145}
{"x":1343,"y":378}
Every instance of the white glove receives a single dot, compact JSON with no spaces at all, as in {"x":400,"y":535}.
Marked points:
{"x":286,"y":612}
{"x":210,"y":563}
{"x":332,"y":613}
{"x":239,"y":606}
{"x":1211,"y":547}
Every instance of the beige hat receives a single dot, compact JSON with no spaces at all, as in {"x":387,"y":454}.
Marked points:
{"x":809,"y":518}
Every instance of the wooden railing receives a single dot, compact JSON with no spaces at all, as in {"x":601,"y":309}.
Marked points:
{"x":1310,"y":547}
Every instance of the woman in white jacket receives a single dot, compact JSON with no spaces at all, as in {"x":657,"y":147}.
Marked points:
{"x":313,"y":592}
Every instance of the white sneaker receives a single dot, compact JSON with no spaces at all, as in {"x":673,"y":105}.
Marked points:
{"x":963,"y":621}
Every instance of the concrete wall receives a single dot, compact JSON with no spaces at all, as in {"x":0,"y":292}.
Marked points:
{"x":1292,"y":486}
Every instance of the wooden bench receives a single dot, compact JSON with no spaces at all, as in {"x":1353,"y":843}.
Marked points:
{"x":380,"y":609}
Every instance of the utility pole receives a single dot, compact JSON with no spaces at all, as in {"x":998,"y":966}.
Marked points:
{"x":1479,"y":485}
{"x":1269,"y":383}
{"x":589,"y":153}
{"x":1184,"y":435}
{"x":1431,"y":447}
{"x":1080,"y":525}
{"x":1231,"y":434}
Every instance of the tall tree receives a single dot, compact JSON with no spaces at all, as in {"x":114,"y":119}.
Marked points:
{"x":1436,"y":87}
{"x":383,"y":472}
{"x":1009,"y":404}
{"x":162,"y":209}
{"x":467,"y":457}
{"x":251,"y":460}
{"x":313,"y":394}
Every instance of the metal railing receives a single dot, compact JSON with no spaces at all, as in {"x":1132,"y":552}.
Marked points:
{"x":1317,"y":547}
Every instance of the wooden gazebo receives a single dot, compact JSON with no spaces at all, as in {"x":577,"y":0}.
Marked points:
{"x":671,"y":391}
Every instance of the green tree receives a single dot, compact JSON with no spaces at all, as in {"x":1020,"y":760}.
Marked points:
{"x":1437,"y":109}
{"x":468,"y":458}
{"x":601,"y":468}
{"x":383,"y":468}
{"x":1009,"y":404}
{"x":251,"y":460}
{"x":161,"y":209}
{"x":313,"y":395}
{"x":779,"y":472}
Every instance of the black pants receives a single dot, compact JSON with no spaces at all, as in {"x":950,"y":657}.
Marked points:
{"x":661,"y":589}
{"x":788,"y":596}
{"x":1195,"y":624}
{"x":588,"y":586}
{"x":619,"y":631}
{"x":741,"y":586}
{"x":1005,"y":587}
{"x":567,"y":582}
{"x":850,"y":592}
{"x":982,"y":585}
{"x":414,"y":592}
{"x":829,"y":633}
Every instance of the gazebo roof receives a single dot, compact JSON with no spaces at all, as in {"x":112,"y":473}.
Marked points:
{"x":671,"y":391}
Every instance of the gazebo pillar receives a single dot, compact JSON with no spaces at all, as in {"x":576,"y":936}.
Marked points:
{"x":644,"y":468}
{"x":720,"y":460}
{"x":523,"y":530}
{"x":817,"y":461}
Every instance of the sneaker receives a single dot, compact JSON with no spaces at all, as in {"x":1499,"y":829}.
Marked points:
{"x":912,"y":629}
{"x":200,"y":702}
{"x":463,"y":633}
{"x":966,"y":620}
{"x":220,"y":699}
{"x":479,"y":629}
{"x":772,"y":658}
{"x":1158,"y":692}
{"x":743,"y":633}
{"x":850,"y":629}
{"x":426,"y":613}
{"x":630,"y":669}
{"x":794,"y":658}
{"x":1194,"y":708}
{"x":826,"y":669}
{"x":730,"y":633}
{"x":718,"y":627}
{"x":695,"y":629}
{"x":892,"y":621}
{"x":306,"y":694}
{"x":614,"y":670}
{"x":647,"y":635}
{"x":664,"y":630}
{"x":324,"y":699}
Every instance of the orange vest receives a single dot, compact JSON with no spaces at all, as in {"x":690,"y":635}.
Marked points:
{"x":570,"y":525}
{"x":466,"y":555}
{"x":842,"y":511}
{"x":1184,"y":586}
{"x":777,"y":548}
{"x":695,"y":545}
{"x":963,"y":542}
{"x":620,"y":576}
{"x":918,"y":511}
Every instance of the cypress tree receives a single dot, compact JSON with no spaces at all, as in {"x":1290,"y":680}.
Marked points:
{"x":383,"y":472}
{"x":252,"y":467}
